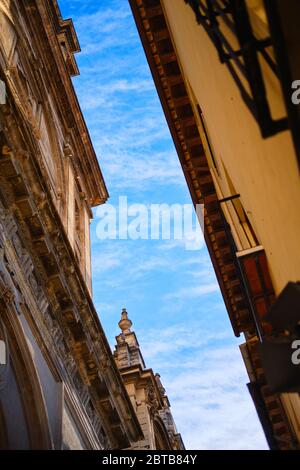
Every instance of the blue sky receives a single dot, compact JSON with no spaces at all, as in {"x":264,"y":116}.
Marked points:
{"x":171,"y":294}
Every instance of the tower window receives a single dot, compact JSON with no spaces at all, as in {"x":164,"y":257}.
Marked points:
{"x":78,"y":231}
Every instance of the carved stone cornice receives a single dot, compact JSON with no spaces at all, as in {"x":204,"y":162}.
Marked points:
{"x":48,"y":68}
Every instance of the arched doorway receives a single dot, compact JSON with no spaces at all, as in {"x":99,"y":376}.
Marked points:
{"x":162,"y":441}
{"x":23,"y":417}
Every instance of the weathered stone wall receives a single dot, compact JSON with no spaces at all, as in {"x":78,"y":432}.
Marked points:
{"x":58,"y":356}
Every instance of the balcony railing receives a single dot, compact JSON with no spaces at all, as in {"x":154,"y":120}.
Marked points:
{"x":241,"y":51}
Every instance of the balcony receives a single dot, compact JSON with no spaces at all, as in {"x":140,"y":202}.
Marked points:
{"x":249,"y":43}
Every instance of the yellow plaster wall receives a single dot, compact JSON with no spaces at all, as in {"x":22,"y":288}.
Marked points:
{"x":263,"y":171}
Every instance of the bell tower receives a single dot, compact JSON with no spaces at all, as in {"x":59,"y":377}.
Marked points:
{"x":146,"y":392}
{"x":127,"y":353}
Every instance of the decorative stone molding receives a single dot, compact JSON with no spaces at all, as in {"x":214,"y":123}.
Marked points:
{"x":40,"y":279}
{"x":78,"y":332}
{"x":152,"y":401}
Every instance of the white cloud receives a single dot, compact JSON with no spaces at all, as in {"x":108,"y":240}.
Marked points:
{"x":174,"y":339}
{"x":207,"y":387}
{"x":105,"y":261}
{"x":193,"y":291}
{"x":202,"y":372}
{"x":125,"y":136}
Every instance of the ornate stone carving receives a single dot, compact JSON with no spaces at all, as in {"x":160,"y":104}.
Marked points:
{"x":70,"y":364}
{"x":24,"y":97}
{"x":151,"y":399}
{"x":6,"y":295}
{"x":9,"y":291}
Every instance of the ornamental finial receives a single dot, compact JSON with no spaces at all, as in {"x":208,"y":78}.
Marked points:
{"x":125,"y":323}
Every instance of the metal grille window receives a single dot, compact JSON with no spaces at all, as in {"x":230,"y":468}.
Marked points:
{"x":241,"y":51}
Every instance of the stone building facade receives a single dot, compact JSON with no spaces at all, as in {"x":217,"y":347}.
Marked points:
{"x":60,"y":387}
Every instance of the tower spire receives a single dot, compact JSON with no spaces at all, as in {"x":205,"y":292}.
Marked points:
{"x":127,"y":352}
{"x":125,"y":324}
